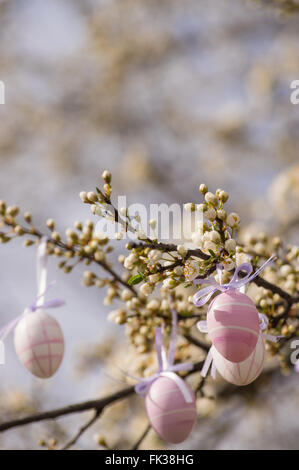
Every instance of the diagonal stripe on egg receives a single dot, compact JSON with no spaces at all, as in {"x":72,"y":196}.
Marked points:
{"x":168,"y":412}
{"x":233,"y":325}
{"x":245,"y":372}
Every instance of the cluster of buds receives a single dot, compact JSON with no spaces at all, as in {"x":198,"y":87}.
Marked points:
{"x":215,"y":231}
{"x":157,"y":277}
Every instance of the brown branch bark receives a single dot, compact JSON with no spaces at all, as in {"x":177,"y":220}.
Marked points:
{"x":97,"y":405}
{"x":36,"y":233}
{"x":197,"y":342}
{"x":171,"y":247}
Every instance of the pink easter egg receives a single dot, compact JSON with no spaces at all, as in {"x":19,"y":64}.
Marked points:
{"x":241,"y":373}
{"x":171,"y":416}
{"x":233,"y":325}
{"x":39,"y":343}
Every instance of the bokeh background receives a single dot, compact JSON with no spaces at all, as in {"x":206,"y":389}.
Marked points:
{"x":165,"y":94}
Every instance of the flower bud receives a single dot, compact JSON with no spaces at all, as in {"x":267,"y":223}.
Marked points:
{"x":106,"y":175}
{"x":152,"y":223}
{"x":28,"y":217}
{"x":189,"y":207}
{"x":92,"y":197}
{"x":146,"y":289}
{"x":211,"y":198}
{"x":223,"y":196}
{"x":203,"y":188}
{"x":221,"y":214}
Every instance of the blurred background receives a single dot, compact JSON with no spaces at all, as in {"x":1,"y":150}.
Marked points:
{"x":166,"y":95}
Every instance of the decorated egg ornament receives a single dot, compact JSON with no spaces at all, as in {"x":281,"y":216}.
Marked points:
{"x":232,"y":318}
{"x":38,"y":338}
{"x":169,"y":401}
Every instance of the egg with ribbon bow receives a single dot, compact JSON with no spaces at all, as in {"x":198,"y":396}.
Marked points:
{"x":170,"y":406}
{"x":245,"y":372}
{"x":233,"y":325}
{"x":39,"y":343}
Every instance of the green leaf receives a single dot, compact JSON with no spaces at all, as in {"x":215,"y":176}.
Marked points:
{"x":136,"y":279}
{"x":212,"y":253}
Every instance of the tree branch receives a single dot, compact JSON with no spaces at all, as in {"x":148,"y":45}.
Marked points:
{"x":171,"y":247}
{"x":36,"y":233}
{"x":197,"y":342}
{"x":97,"y":405}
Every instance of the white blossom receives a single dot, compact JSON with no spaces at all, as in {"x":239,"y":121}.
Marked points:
{"x":214,"y":236}
{"x":230,"y":245}
{"x":126,"y":295}
{"x":153,"y":304}
{"x":233,"y":219}
{"x":146,"y":289}
{"x":191,"y":270}
{"x":168,"y":283}
{"x":228,"y":264}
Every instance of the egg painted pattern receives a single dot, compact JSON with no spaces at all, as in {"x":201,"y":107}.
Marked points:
{"x":241,"y":373}
{"x":233,"y":325}
{"x":39,"y":343}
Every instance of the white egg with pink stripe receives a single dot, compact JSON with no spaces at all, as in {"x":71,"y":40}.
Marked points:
{"x":39,"y":343}
{"x":241,"y":373}
{"x":171,"y":408}
{"x":233,"y":325}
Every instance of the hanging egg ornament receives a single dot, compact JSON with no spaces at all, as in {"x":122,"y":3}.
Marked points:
{"x":171,"y":408}
{"x":233,"y":325}
{"x":39,"y":343}
{"x":241,"y":373}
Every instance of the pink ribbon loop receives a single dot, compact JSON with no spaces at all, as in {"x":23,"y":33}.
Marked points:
{"x":166,"y":366}
{"x":42,"y":289}
{"x":203,"y":296}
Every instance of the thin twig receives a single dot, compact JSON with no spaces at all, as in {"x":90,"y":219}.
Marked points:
{"x":141,"y":438}
{"x":197,"y":342}
{"x":97,"y":405}
{"x":84,"y":428}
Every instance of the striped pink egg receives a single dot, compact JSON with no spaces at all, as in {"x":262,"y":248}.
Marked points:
{"x":233,"y":325}
{"x":39,"y":344}
{"x":168,"y":412}
{"x":241,"y":373}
